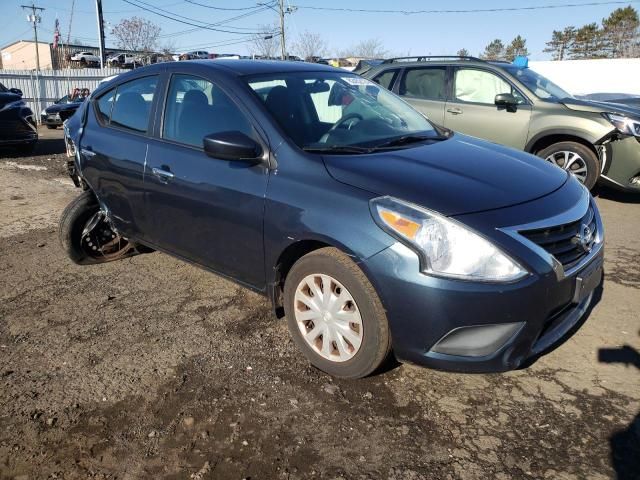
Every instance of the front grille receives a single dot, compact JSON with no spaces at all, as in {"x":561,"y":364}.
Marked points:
{"x":563,"y":241}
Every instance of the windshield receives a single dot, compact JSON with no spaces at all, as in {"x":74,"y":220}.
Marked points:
{"x":542,"y":87}
{"x":334,"y":110}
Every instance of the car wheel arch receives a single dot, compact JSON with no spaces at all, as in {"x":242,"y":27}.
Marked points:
{"x":288,"y":257}
{"x":542,"y":141}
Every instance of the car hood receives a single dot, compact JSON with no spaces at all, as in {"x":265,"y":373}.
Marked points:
{"x":600,"y":107}
{"x":453,"y":177}
{"x":7,"y":97}
{"x":61,"y":107}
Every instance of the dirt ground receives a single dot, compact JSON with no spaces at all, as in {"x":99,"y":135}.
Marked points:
{"x":152,"y":368}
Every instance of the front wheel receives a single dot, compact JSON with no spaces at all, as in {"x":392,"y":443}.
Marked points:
{"x":335,"y":315}
{"x":86,"y":235}
{"x":575,"y":158}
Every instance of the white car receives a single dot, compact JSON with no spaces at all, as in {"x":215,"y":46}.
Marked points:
{"x":85,"y":57}
{"x":123,"y":60}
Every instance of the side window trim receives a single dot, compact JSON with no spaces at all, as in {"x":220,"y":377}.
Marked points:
{"x":151,"y":119}
{"x":453,"y":99}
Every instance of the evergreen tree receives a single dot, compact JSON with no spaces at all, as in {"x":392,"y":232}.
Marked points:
{"x":517,"y":48}
{"x":620,"y":32}
{"x":588,"y":43}
{"x":560,"y":43}
{"x":494,"y":51}
{"x":463,"y":52}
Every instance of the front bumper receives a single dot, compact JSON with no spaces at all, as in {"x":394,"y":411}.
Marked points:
{"x":621,"y":164}
{"x":17,"y":127}
{"x":536,"y":312}
{"x":54,"y":120}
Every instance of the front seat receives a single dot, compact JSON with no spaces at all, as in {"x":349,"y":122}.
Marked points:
{"x":194,"y":120}
{"x":284,"y":106}
{"x":131,"y":111}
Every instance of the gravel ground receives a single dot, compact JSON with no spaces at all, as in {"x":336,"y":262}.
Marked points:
{"x":152,"y":368}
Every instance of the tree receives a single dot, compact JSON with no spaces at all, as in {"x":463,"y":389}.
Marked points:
{"x":620,"y":32}
{"x":588,"y":43}
{"x":560,"y":43}
{"x":137,"y":34}
{"x":463,"y":52}
{"x":310,"y":44}
{"x":371,"y":48}
{"x":267,"y":44}
{"x":494,"y":51}
{"x":517,"y":48}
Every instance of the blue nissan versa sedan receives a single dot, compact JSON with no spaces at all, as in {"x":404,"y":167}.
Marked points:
{"x":369,"y":227}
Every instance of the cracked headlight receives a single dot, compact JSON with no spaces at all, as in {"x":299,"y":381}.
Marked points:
{"x":626,"y":125}
{"x":446,"y":248}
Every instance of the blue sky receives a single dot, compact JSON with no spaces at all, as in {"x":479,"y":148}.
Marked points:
{"x":441,"y":33}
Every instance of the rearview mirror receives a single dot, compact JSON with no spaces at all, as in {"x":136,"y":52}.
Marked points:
{"x":506,"y":100}
{"x":17,"y":91}
{"x":232,"y":146}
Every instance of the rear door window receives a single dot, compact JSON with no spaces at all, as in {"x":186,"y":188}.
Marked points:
{"x":428,"y":83}
{"x":132,"y":105}
{"x":386,"y":79}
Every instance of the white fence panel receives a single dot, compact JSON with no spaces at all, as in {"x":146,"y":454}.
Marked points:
{"x":41,"y":90}
{"x":580,"y":77}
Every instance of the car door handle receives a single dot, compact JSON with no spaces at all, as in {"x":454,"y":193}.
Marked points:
{"x":454,"y":110}
{"x":162,"y":174}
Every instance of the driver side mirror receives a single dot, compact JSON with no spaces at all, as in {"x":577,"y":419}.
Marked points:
{"x":17,"y":91}
{"x":506,"y":100}
{"x":235,"y":146}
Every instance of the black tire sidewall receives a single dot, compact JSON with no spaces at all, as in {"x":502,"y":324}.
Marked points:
{"x":374,"y":324}
{"x":72,"y":222}
{"x":588,"y":155}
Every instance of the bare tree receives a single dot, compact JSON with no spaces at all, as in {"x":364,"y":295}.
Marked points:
{"x":137,"y":34}
{"x":463,"y":52}
{"x":371,"y":48}
{"x":310,"y":44}
{"x":266,"y":44}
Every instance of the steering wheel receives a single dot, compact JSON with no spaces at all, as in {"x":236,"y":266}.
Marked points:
{"x":340,"y":123}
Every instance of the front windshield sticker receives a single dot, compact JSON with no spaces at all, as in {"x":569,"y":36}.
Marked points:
{"x":357,"y":81}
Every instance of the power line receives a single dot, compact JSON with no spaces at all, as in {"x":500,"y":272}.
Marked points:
{"x":472,"y":10}
{"x":219,"y":8}
{"x":221,"y":22}
{"x":171,"y":16}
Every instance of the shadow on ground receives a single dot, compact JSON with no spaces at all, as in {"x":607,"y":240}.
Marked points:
{"x":625,"y":444}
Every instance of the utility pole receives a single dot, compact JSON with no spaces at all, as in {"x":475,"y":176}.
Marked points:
{"x":283,"y":47}
{"x":73,"y":4}
{"x":100,"y":31}
{"x":34,"y":18}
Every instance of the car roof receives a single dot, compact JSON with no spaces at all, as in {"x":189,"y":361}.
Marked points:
{"x":255,"y":67}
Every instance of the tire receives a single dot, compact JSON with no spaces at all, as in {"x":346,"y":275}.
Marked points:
{"x":585,"y":157}
{"x":375,"y":343}
{"x":73,"y":221}
{"x":52,"y":127}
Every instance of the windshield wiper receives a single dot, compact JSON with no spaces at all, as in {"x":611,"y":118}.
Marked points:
{"x":338,"y":149}
{"x":406,"y":139}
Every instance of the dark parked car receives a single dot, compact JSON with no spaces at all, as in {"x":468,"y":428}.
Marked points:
{"x":367,"y":226}
{"x":55,"y":115}
{"x":17,"y":125}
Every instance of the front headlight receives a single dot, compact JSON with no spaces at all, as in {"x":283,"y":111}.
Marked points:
{"x":446,"y":247}
{"x":626,"y":125}
{"x":43,"y":112}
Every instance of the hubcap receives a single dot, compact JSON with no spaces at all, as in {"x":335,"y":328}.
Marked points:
{"x":328,"y":317}
{"x":571,"y":162}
